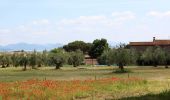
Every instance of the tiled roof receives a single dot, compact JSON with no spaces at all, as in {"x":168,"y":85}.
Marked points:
{"x":155,"y":42}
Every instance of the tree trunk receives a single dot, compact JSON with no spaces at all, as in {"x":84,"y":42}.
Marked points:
{"x":166,"y":66}
{"x":39,"y":65}
{"x":121,"y":67}
{"x":57,"y":67}
{"x":155,"y":65}
{"x":3,"y":66}
{"x":7,"y":65}
{"x":25,"y":67}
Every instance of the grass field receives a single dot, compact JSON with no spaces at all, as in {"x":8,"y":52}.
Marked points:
{"x":88,"y":83}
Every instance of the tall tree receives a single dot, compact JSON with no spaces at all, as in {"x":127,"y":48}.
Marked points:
{"x":98,"y":47}
{"x":77,"y":45}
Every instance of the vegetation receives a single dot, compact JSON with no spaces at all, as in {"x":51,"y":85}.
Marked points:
{"x":76,"y":58}
{"x":73,"y":83}
{"x":83,"y":81}
{"x":77,"y":45}
{"x":98,"y":48}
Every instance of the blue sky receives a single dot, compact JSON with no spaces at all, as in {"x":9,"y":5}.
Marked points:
{"x":63,"y":21}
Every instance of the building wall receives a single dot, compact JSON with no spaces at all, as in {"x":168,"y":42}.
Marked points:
{"x":91,"y":61}
{"x":143,"y":48}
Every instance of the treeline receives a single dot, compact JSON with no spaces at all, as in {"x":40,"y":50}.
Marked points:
{"x":73,"y":54}
{"x":56,"y":57}
{"x":121,"y":56}
{"x":70,"y":54}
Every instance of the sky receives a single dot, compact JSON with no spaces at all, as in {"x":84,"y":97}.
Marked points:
{"x":63,"y":21}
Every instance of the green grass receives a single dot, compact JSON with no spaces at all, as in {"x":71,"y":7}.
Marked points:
{"x":70,"y":73}
{"x":156,"y":84}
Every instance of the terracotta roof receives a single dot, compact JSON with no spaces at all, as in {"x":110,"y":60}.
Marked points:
{"x":141,"y":43}
{"x":162,"y":42}
{"x":155,"y":42}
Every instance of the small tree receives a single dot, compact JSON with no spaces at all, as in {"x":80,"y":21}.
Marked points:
{"x":76,"y":58}
{"x":123,"y":57}
{"x":107,"y":58}
{"x":15,"y":59}
{"x":39,"y":60}
{"x":57,"y":59}
{"x":159,"y":56}
{"x":5,"y":60}
{"x":24,"y":60}
{"x":44,"y":58}
{"x":167,"y":59}
{"x":147,"y":56}
{"x":33,"y":59}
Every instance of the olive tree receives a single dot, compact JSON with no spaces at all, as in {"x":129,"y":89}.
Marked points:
{"x":24,"y":60}
{"x":107,"y":57}
{"x":147,"y":56}
{"x":5,"y":60}
{"x":15,"y":59}
{"x":57,"y":57}
{"x":76,"y":58}
{"x":122,"y":57}
{"x":33,"y":59}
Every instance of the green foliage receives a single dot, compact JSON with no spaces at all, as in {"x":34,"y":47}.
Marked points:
{"x":44,"y":58}
{"x":56,"y":50}
{"x":155,"y":56}
{"x":76,"y":58}
{"x":15,"y":59}
{"x":5,"y":60}
{"x":107,"y":57}
{"x":98,"y":48}
{"x":123,"y":57}
{"x":58,"y":58}
{"x":24,"y":60}
{"x":33,"y":59}
{"x":77,"y":45}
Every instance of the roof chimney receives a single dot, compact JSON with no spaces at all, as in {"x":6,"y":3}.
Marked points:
{"x":153,"y":39}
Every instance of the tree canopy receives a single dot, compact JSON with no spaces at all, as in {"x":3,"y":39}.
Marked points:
{"x":77,"y":45}
{"x":98,"y":47}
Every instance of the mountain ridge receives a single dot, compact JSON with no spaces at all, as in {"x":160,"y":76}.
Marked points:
{"x":29,"y":47}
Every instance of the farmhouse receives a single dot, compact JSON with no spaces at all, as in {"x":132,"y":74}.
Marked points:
{"x":89,"y":61}
{"x":141,"y":46}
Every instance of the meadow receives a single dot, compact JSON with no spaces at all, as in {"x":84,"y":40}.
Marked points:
{"x":85,"y":83}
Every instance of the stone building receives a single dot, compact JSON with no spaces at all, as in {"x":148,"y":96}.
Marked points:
{"x":141,"y":46}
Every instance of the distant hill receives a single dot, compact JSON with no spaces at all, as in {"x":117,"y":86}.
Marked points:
{"x":29,"y":47}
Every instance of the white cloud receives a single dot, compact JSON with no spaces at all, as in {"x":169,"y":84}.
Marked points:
{"x":123,"y":16}
{"x":114,"y":20}
{"x":4,"y":31}
{"x":83,"y":20}
{"x":159,"y":14}
{"x":41,"y":22}
{"x":118,"y":26}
